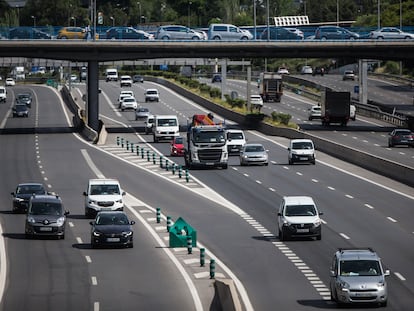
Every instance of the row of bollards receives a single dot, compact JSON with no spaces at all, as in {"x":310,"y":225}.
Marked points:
{"x":164,"y":162}
{"x":190,"y":246}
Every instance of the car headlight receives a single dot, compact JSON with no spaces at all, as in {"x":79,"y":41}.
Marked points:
{"x":92,"y":202}
{"x":317,"y":223}
{"x":60,"y":221}
{"x":96,"y":233}
{"x":127,"y":233}
{"x":18,"y":200}
{"x":286,"y":223}
{"x":31,"y":220}
{"x":344,"y":285}
{"x":118,"y":201}
{"x":245,"y":157}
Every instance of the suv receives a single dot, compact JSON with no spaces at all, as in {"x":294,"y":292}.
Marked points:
{"x":298,"y":216}
{"x":348,"y":75}
{"x":103,"y":194}
{"x":235,"y":141}
{"x":334,"y":33}
{"x":151,"y":95}
{"x":227,"y":32}
{"x":177,"y":32}
{"x":126,"y":81}
{"x":45,"y":216}
{"x":357,"y":276}
{"x":24,"y":99}
{"x":301,"y":150}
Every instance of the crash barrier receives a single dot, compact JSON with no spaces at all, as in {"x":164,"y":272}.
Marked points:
{"x":226,"y":295}
{"x":180,"y":232}
{"x":396,"y":171}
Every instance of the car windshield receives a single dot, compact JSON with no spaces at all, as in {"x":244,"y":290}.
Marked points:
{"x":167,"y":122}
{"x":20,"y":107}
{"x":104,"y":189}
{"x":45,"y":208}
{"x":359,"y":267}
{"x":234,"y":135}
{"x":30,"y":189}
{"x":179,"y":140}
{"x":254,"y":148}
{"x":110,"y":219}
{"x":152,"y":92}
{"x":209,"y":137}
{"x":300,"y":210}
{"x":143,"y":110}
{"x":129,"y":99}
{"x":302,"y":145}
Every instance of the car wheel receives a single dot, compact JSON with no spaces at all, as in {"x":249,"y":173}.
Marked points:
{"x":383,"y":304}
{"x":131,"y":245}
{"x":323,"y":38}
{"x":165,"y":38}
{"x":216,"y":38}
{"x":282,"y":235}
{"x":310,"y":118}
{"x":290,"y":161}
{"x":313,"y":162}
{"x":266,"y":164}
{"x":319,"y":237}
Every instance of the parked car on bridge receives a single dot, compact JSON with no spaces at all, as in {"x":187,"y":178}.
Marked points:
{"x":71,"y":33}
{"x":177,"y":32}
{"x":334,"y":33}
{"x":28,"y":33}
{"x":390,"y":33}
{"x":127,"y":33}
{"x":227,"y":32}
{"x":279,"y":33}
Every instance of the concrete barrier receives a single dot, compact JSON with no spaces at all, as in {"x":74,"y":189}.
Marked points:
{"x":226,"y":297}
{"x":393,"y":170}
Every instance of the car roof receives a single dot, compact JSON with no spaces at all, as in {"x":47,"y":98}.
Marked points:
{"x":30,"y":184}
{"x":298,"y":200}
{"x":298,"y":140}
{"x":357,"y":253}
{"x":151,"y":90}
{"x":102,"y":181}
{"x":46,"y":197}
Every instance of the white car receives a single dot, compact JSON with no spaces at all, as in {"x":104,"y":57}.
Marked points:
{"x":296,"y":31}
{"x":390,"y":33}
{"x":103,"y":195}
{"x":235,"y":141}
{"x":126,"y":81}
{"x":256,"y":101}
{"x":306,"y":70}
{"x":298,"y":217}
{"x":301,"y":150}
{"x":152,"y":95}
{"x":129,"y":103}
{"x":10,"y":82}
{"x":314,"y":112}
{"x":124,"y":94}
{"x":283,"y":71}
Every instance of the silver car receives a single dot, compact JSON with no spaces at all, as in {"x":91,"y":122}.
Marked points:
{"x":253,"y":154}
{"x":390,"y":33}
{"x":177,"y":32}
{"x":357,"y":276}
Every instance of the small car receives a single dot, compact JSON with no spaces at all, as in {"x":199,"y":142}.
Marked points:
{"x":283,"y":71}
{"x":20,"y":110}
{"x":348,"y":75}
{"x":126,"y":81}
{"x":71,"y":33}
{"x":112,"y":228}
{"x":254,"y":154}
{"x":298,"y":217}
{"x":138,"y":78}
{"x":390,"y":33}
{"x":306,"y":70}
{"x":177,"y":146}
{"x":301,"y":150}
{"x":216,"y":78}
{"x":23,"y":193}
{"x":129,"y":103}
{"x":318,"y":71}
{"x":236,"y":139}
{"x":152,"y":95}
{"x":141,"y":113}
{"x":127,"y":33}
{"x":314,"y":112}
{"x":45,"y":216}
{"x":401,"y":137}
{"x":10,"y":82}
{"x":24,"y":98}
{"x":149,"y":122}
{"x":256,"y":101}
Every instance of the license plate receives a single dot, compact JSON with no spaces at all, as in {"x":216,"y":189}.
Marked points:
{"x":302,"y":230}
{"x":45,"y":228}
{"x":112,"y":239}
{"x":303,"y":158}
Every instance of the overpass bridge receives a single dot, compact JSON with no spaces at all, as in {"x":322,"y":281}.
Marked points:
{"x":93,"y":52}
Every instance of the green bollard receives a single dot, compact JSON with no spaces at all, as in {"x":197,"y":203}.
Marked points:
{"x":142,"y":152}
{"x":127,"y":145}
{"x":180,"y":171}
{"x":122,"y":142}
{"x":148,"y":155}
{"x":132,"y":147}
{"x":137,"y":151}
{"x":187,"y":176}
{"x":117,"y":141}
{"x":212,"y":268}
{"x":202,"y":257}
{"x":173,"y":168}
{"x":154,"y":159}
{"x":166,"y":164}
{"x":158,"y":215}
{"x":169,"y":223}
{"x":189,"y":245}
{"x":161,"y":161}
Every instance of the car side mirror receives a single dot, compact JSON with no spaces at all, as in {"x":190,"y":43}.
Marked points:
{"x":12,"y":193}
{"x":387,"y":273}
{"x":320,"y":213}
{"x":91,"y":223}
{"x":123,"y":193}
{"x":85,"y":194}
{"x":67,"y":213}
{"x":132,"y":222}
{"x":332,"y":273}
{"x":279,"y":214}
{"x":288,"y":148}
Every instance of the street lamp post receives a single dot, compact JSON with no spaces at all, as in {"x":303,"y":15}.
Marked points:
{"x":74,"y":21}
{"x":254,"y":19}
{"x":189,"y":12}
{"x":337,"y":12}
{"x":113,"y":21}
{"x":379,"y":14}
{"x":34,"y":21}
{"x":140,"y":12}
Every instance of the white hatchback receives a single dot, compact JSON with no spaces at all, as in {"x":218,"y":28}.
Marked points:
{"x":301,"y":150}
{"x":129,"y":103}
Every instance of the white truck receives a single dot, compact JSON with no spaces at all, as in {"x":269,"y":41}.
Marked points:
{"x":206,"y":143}
{"x":18,"y":73}
{"x":270,"y":86}
{"x":111,"y":74}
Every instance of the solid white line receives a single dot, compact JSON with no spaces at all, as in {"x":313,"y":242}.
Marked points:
{"x":391,"y":219}
{"x":344,"y":236}
{"x":88,"y":259}
{"x":96,"y":306}
{"x":92,"y":165}
{"x":94,"y":280}
{"x":398,"y":275}
{"x":3,"y":264}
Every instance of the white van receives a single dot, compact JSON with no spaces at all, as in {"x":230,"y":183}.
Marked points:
{"x":301,"y":150}
{"x":3,"y":94}
{"x":227,"y":32}
{"x":165,"y":127}
{"x":235,"y":141}
{"x":103,"y":194}
{"x":111,"y":74}
{"x":352,"y":112}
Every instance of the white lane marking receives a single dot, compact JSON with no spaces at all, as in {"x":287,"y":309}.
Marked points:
{"x":331,"y":188}
{"x":92,"y":165}
{"x":3,"y":264}
{"x":259,"y":182}
{"x":272,"y":189}
{"x":344,"y":236}
{"x":314,"y":180}
{"x":71,"y":224}
{"x":349,"y":196}
{"x":88,"y":259}
{"x":369,"y":206}
{"x":391,"y":219}
{"x":94,"y":280}
{"x":79,"y":240}
{"x":398,"y":275}
{"x":96,"y":306}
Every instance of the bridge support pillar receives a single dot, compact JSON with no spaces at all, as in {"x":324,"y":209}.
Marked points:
{"x":362,"y":81}
{"x":93,"y":92}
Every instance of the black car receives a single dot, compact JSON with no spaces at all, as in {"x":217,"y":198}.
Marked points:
{"x":318,"y":71}
{"x":279,"y":33}
{"x":24,"y":98}
{"x":20,"y":110}
{"x":401,"y":137}
{"x":23,"y":193}
{"x":111,"y":228}
{"x":45,"y":216}
{"x":28,"y":33}
{"x":137,"y":78}
{"x":127,"y":33}
{"x":216,"y":78}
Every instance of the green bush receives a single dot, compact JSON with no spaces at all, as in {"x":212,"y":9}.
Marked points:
{"x":236,"y":102}
{"x":282,"y":118}
{"x":215,"y":92}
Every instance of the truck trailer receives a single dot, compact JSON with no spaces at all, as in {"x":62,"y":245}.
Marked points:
{"x":270,"y":86}
{"x":335,"y":107}
{"x":206,"y":143}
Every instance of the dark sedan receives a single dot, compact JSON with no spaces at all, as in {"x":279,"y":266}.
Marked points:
{"x":22,"y":194}
{"x":24,"y":98}
{"x":112,"y":228}
{"x":401,"y":137}
{"x":279,"y":33}
{"x":20,"y":110}
{"x":127,"y":33}
{"x":28,"y":33}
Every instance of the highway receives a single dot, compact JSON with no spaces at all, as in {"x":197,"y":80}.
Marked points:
{"x":235,"y":220}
